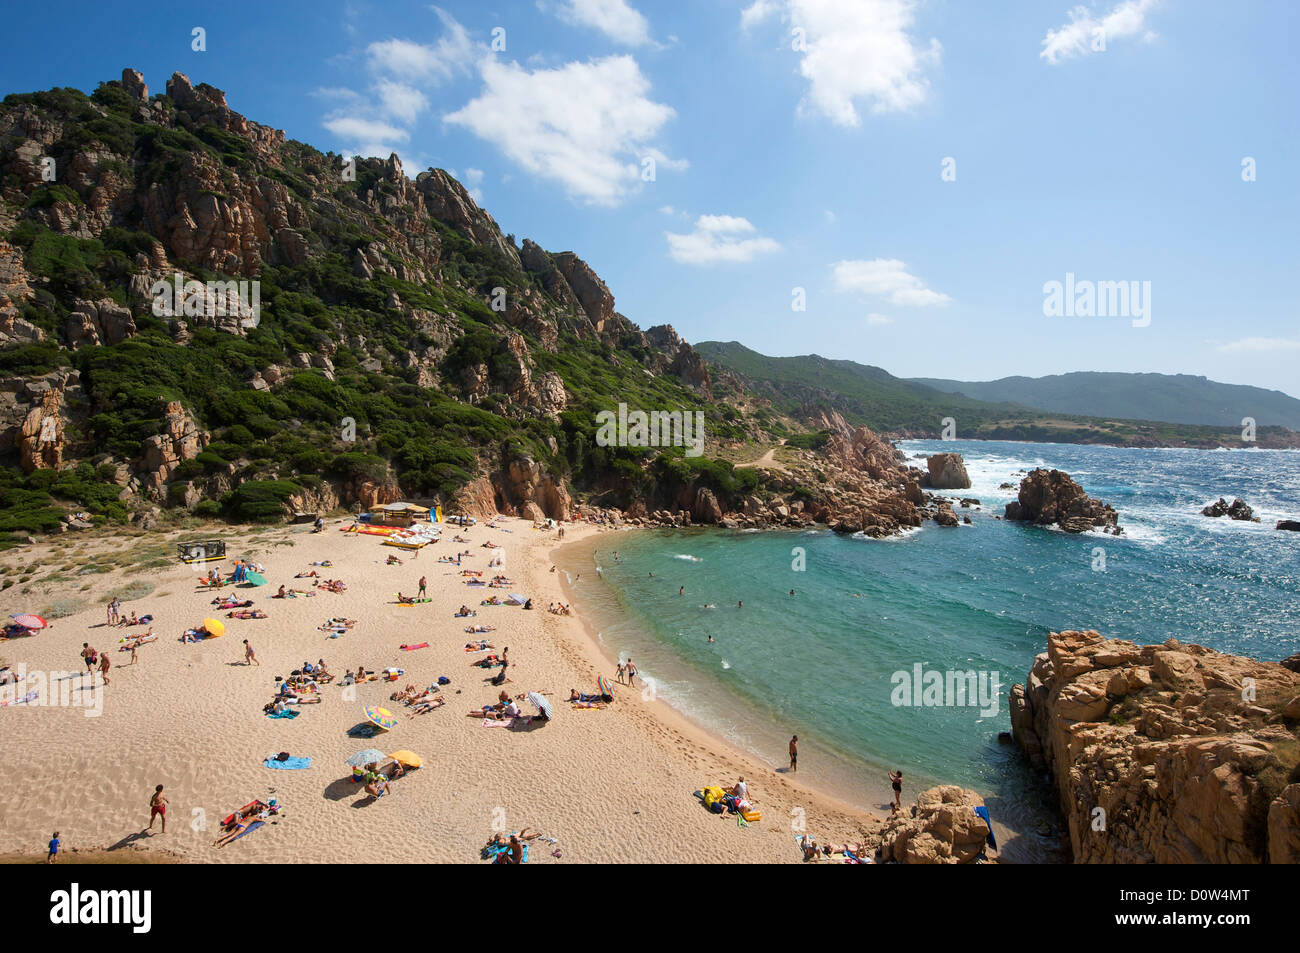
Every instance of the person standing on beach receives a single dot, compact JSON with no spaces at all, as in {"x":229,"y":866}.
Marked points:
{"x":424,"y":585}
{"x":104,"y":665}
{"x":158,"y":808}
{"x":794,"y":754}
{"x":621,"y":672}
{"x":53,"y":855}
{"x":249,"y":655}
{"x":896,"y":780}
{"x":631,"y":674}
{"x":88,"y":655}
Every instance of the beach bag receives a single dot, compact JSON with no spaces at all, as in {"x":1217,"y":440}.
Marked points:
{"x":444,"y":680}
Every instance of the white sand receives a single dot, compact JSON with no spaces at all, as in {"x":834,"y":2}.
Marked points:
{"x":613,"y":785}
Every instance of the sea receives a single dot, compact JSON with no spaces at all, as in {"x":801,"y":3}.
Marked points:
{"x":834,"y":637}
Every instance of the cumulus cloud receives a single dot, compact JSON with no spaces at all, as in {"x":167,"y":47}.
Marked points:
{"x":719,"y":238}
{"x":854,"y":52}
{"x":617,"y":19}
{"x":588,"y":126}
{"x":1087,"y":33}
{"x":885,"y":278}
{"x":371,"y":122}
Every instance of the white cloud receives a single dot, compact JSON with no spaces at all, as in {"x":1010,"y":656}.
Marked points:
{"x":757,"y":12}
{"x":885,"y":278}
{"x":371,"y":123}
{"x":719,"y":238}
{"x":876,"y":319}
{"x":400,"y":101}
{"x":1262,"y":344}
{"x":618,"y":20}
{"x":587,"y":125}
{"x":1087,"y":33}
{"x":854,"y":52}
{"x":409,"y":61}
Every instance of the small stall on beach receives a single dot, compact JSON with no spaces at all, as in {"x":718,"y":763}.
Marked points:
{"x":398,"y":514}
{"x":202,"y":551}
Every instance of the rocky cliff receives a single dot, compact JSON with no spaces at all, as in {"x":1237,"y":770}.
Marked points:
{"x":1166,"y":753}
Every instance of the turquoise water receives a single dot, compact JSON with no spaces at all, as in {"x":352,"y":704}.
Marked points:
{"x":821,"y":663}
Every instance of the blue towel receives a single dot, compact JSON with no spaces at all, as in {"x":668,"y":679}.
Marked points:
{"x":287,"y":713}
{"x":290,"y":764}
{"x":983,"y":812}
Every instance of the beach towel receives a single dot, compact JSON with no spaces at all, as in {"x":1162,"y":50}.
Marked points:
{"x":412,"y":648}
{"x":498,"y":722}
{"x":983,"y":812}
{"x":283,"y":714}
{"x":497,"y":849}
{"x":289,"y":764}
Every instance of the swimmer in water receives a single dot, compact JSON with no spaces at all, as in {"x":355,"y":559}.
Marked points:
{"x":681,"y":591}
{"x":710,"y":638}
{"x":740,"y":605}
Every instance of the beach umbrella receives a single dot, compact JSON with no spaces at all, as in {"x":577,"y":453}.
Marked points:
{"x":256,"y":579}
{"x":602,"y":683}
{"x":380,"y":717}
{"x":407,"y":759}
{"x":28,"y":621}
{"x":541,"y":703}
{"x":363,"y":758}
{"x":214,"y":628}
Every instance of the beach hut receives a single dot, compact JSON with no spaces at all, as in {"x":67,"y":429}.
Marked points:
{"x":201,"y":551}
{"x":398,"y":514}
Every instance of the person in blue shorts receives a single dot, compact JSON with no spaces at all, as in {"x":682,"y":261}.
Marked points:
{"x":54,"y":849}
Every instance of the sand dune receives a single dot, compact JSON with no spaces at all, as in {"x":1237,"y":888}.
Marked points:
{"x":609,"y":786}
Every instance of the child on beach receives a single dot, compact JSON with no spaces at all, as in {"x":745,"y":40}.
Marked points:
{"x":249,"y":655}
{"x":53,"y":855}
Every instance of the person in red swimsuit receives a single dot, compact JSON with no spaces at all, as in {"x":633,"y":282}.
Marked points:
{"x":158,"y":808}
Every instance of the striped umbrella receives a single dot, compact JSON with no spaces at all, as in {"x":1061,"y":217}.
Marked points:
{"x":28,"y":621}
{"x":540,"y":702}
{"x":380,"y":717}
{"x":602,"y":683}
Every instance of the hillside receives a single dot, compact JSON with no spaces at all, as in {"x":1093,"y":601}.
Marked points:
{"x":1173,"y":398}
{"x":810,"y":386}
{"x":400,"y":345}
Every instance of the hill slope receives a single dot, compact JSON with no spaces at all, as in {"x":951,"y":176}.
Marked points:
{"x":1175,"y":398}
{"x":810,"y":386}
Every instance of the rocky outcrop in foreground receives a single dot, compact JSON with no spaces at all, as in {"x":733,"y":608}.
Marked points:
{"x":942,"y":828}
{"x":1165,"y":753}
{"x":1052,"y":497}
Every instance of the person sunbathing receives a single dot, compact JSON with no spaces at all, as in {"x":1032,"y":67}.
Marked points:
{"x":304,"y":575}
{"x":238,"y":824}
{"x":478,"y":646}
{"x":405,"y":599}
{"x":427,"y":704}
{"x":465,"y":612}
{"x":246,"y":614}
{"x":493,"y":601}
{"x":394,"y":561}
{"x":477,"y":629}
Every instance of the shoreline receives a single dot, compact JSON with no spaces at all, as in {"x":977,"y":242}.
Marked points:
{"x":679,"y":721}
{"x":611,"y":786}
{"x":878,"y":796}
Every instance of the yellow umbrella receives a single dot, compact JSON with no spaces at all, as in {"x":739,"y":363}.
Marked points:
{"x":214,"y":628}
{"x":407,"y":759}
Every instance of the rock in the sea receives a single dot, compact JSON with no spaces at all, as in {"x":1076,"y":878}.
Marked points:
{"x":947,"y":471}
{"x":1237,"y":510}
{"x":1052,"y":496}
{"x":1293,"y":525}
{"x":1165,"y":753}
{"x":942,"y":828}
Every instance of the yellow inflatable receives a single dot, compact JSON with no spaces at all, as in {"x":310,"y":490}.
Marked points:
{"x":712,"y":795}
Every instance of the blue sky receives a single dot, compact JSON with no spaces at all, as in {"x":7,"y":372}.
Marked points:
{"x":800,"y":144}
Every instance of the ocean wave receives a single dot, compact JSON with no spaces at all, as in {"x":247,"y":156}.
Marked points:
{"x":688,"y":557}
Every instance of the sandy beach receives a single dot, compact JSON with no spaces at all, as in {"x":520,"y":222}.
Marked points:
{"x":608,"y":786}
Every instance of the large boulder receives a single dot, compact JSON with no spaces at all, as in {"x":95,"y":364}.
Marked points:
{"x":942,"y":828}
{"x":1237,"y":510}
{"x":947,"y":471}
{"x":1052,"y":497}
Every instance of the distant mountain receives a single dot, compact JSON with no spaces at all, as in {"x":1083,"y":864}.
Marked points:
{"x":812,"y":389}
{"x":1174,"y":398}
